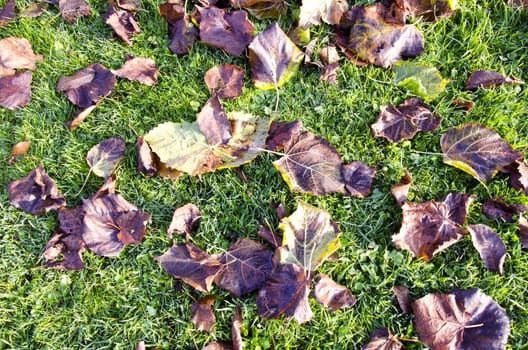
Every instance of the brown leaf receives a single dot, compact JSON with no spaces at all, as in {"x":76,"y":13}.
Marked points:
{"x":489,"y":245}
{"x":496,"y":208}
{"x":185,"y":220}
{"x":312,"y":12}
{"x":270,"y":236}
{"x":146,"y":164}
{"x":281,"y":134}
{"x":36,"y":193}
{"x":79,"y":117}
{"x":429,"y":10}
{"x":518,"y":172}
{"x":382,"y":339}
{"x":213,"y":122}
{"x":262,"y":9}
{"x":15,"y":90}
{"x":143,"y":70}
{"x":7,"y":13}
{"x":191,"y":264}
{"x":182,"y":32}
{"x":19,"y":149}
{"x":487,"y":78}
{"x":523,"y":231}
{"x":72,"y":9}
{"x":400,"y":190}
{"x":229,"y":31}
{"x":104,"y":157}
{"x":462,"y":319}
{"x":329,"y":54}
{"x":236,"y":336}
{"x":16,"y":53}
{"x":430,"y":227}
{"x":122,"y":22}
{"x":225,"y":80}
{"x":202,"y":314}
{"x":358,"y":178}
{"x":332,"y":295}
{"x":34,"y":10}
{"x":402,"y":295}
{"x":329,"y":73}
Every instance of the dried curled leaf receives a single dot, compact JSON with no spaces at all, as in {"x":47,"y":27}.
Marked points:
{"x":146,"y":164}
{"x":489,"y":245}
{"x":404,"y":300}
{"x":15,"y":90}
{"x":104,"y":157}
{"x":16,"y":53}
{"x":496,"y":208}
{"x":203,"y":317}
{"x":487,"y":78}
{"x":315,"y":11}
{"x":262,"y":9}
{"x":225,"y":80}
{"x":422,"y":80}
{"x":122,"y":22}
{"x":382,"y":339}
{"x":429,"y":10}
{"x":185,"y":220}
{"x":332,"y":295}
{"x":72,"y":9}
{"x":400,"y":190}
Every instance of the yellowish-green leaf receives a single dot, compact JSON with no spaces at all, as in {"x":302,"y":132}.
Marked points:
{"x":422,"y":80}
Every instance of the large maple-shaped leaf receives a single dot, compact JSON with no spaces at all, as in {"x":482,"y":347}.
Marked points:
{"x":331,"y":294}
{"x":182,"y":146}
{"x":309,"y":237}
{"x":16,"y":53}
{"x":191,"y":264}
{"x":72,"y":9}
{"x":274,"y":58}
{"x":382,"y":339}
{"x":489,"y":245}
{"x":315,"y":11}
{"x":430,"y":10}
{"x":462,"y":319}
{"x":122,"y":22}
{"x":430,"y":227}
{"x":229,"y":31}
{"x":15,"y":90}
{"x":487,"y":78}
{"x":225,"y":80}
{"x":104,"y":157}
{"x":262,"y":8}
{"x":35,"y":193}
{"x":246,"y":265}
{"x":477,"y":150}
{"x":403,"y":122}
{"x":311,"y":164}
{"x":422,"y":80}
{"x":286,"y":291}
{"x":203,"y":317}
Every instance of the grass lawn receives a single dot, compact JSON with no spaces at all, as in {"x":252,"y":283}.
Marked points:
{"x":116,"y":302}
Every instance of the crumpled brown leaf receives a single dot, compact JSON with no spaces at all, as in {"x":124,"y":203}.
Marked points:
{"x":185,"y":220}
{"x":489,"y":245}
{"x":72,"y":9}
{"x":487,"y":78}
{"x":7,"y":13}
{"x":203,"y":317}
{"x":140,"y":69}
{"x":122,"y":22}
{"x":225,"y":80}
{"x":382,"y":339}
{"x":15,"y":90}
{"x":16,"y":53}
{"x":331,"y":294}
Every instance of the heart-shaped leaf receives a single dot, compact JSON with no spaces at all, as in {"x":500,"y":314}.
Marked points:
{"x":103,"y":157}
{"x":422,"y":80}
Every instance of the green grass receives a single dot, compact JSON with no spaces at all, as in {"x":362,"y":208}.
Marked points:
{"x":115,"y":303}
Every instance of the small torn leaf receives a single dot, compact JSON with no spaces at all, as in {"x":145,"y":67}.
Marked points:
{"x":185,"y":220}
{"x":430,"y":227}
{"x":146,"y":164}
{"x":477,"y":150}
{"x":518,"y":172}
{"x":72,"y":9}
{"x":400,"y":190}
{"x":523,"y":231}
{"x":7,"y":13}
{"x":143,"y":70}
{"x":462,"y":319}
{"x":274,"y":58}
{"x":496,"y":208}
{"x":315,"y":11}
{"x":36,"y":193}
{"x":213,"y":122}
{"x":182,"y":36}
{"x":422,"y":80}
{"x":429,"y":10}
{"x":404,"y":300}
{"x":489,"y":245}
{"x":262,"y":9}
{"x":225,"y":80}
{"x":35,"y":9}
{"x":246,"y":265}
{"x":268,"y":235}
{"x":282,"y":133}
{"x":358,"y":178}
{"x":329,"y":73}
{"x":122,"y":22}
{"x":15,"y":90}
{"x":79,"y":117}
{"x":18,"y":149}
{"x":236,"y":327}
{"x":403,"y":122}
{"x":202,"y":314}
{"x":309,"y":237}
{"x":16,"y":53}
{"x":329,"y":54}
{"x":487,"y":78}
{"x":331,"y":294}
{"x":382,"y":339}
{"x":103,"y":157}
{"x":191,"y":264}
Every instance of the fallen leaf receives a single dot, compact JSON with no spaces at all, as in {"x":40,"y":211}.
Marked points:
{"x":270,"y":236}
{"x":146,"y":164}
{"x":34,"y":10}
{"x":225,"y":80}
{"x":523,"y":231}
{"x":403,"y":122}
{"x":331,"y":294}
{"x":7,"y":13}
{"x":518,"y":4}
{"x":79,"y":117}
{"x":477,"y":150}
{"x":182,"y":36}
{"x":104,"y":157}
{"x":236,"y":327}
{"x":15,"y":90}
{"x":218,"y":345}
{"x":382,"y":339}
{"x":86,"y":87}
{"x":191,"y":264}
{"x":462,"y":319}
{"x":329,"y":73}
{"x":202,"y":314}
{"x":315,"y":11}
{"x":489,"y":245}
{"x":72,"y":9}
{"x":213,"y":122}
{"x":143,"y":70}
{"x":246,"y":265}
{"x":400,"y":190}
{"x":329,"y":54}
{"x":496,"y":208}
{"x":518,"y":172}
{"x":430,"y":227}
{"x":185,"y":220}
{"x":262,"y":9}
{"x":404,"y":300}
{"x":282,"y":133}
{"x":36,"y":193}
{"x":274,"y":58}
{"x":129,"y":5}
{"x":429,"y":10}
{"x":487,"y":78}
{"x":358,"y":178}
{"x":16,"y":53}
{"x":20,"y":149}
{"x":422,"y":80}
{"x":229,"y":31}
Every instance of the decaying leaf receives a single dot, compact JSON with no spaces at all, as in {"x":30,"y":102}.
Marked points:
{"x":282,"y":133}
{"x":236,"y":327}
{"x":203,"y":317}
{"x":185,"y":220}
{"x":358,"y":178}
{"x":229,"y":31}
{"x":36,"y":193}
{"x":16,"y":53}
{"x":129,"y":5}
{"x":213,"y":122}
{"x":246,"y":265}
{"x":403,"y":122}
{"x":225,"y":80}
{"x":270,"y":236}
{"x":72,"y":9}
{"x":422,"y":80}
{"x":104,"y":157}
{"x":122,"y":22}
{"x":429,"y":227}
{"x":15,"y":90}
{"x":191,"y":264}
{"x":86,"y":87}
{"x":329,"y":73}
{"x":286,"y":292}
{"x":7,"y":13}
{"x":331,"y":294}
{"x":404,"y":300}
{"x":518,"y":172}
{"x":496,"y":208}
{"x":487,"y":78}
{"x":262,"y":9}
{"x":489,"y":245}
{"x":34,"y":10}
{"x":429,"y":10}
{"x":182,"y":33}
{"x":315,"y":11}
{"x":382,"y":339}
{"x":274,"y":58}
{"x":79,"y":117}
{"x":462,"y":319}
{"x":309,"y":237}
{"x":400,"y":190}
{"x":146,"y":163}
{"x":19,"y":149}
{"x":477,"y":150}
{"x":143,"y":70}
{"x":329,"y":54}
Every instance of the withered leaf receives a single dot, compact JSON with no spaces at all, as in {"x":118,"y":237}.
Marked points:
{"x":262,"y":9}
{"x":16,"y":53}
{"x":311,"y":165}
{"x":329,"y":54}
{"x":518,"y":172}
{"x":315,"y":11}
{"x":213,"y":122}
{"x":358,"y":178}
{"x":183,"y":34}
{"x":286,"y":292}
{"x":146,"y":164}
{"x":72,"y":9}
{"x":229,"y":31}
{"x":331,"y":294}
{"x":236,"y":335}
{"x":462,"y":319}
{"x":329,"y":73}
{"x":421,"y":79}
{"x":79,"y":117}
{"x":35,"y":193}
{"x":489,"y":245}
{"x":429,"y":227}
{"x":487,"y":78}
{"x":309,"y":237}
{"x":477,"y":150}
{"x":191,"y":264}
{"x":496,"y":208}
{"x":129,"y":5}
{"x":246,"y":265}
{"x":400,"y":190}
{"x":143,"y":70}
{"x":19,"y":149}
{"x":404,"y":300}
{"x":270,"y":236}
{"x":203,"y":317}
{"x":429,"y":10}
{"x":382,"y":339}
{"x":225,"y":80}
{"x":7,"y":13}
{"x":104,"y":157}
{"x":403,"y":122}
{"x":122,"y":22}
{"x":282,"y":133}
{"x":15,"y":90}
{"x":185,"y":220}
{"x":34,"y":10}
{"x":274,"y":58}
{"x":523,"y":231}
{"x":86,"y":87}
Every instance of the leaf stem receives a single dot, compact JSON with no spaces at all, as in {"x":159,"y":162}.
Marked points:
{"x":277,"y":94}
{"x":429,"y":153}
{"x":408,"y":340}
{"x":478,"y":325}
{"x":84,"y":184}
